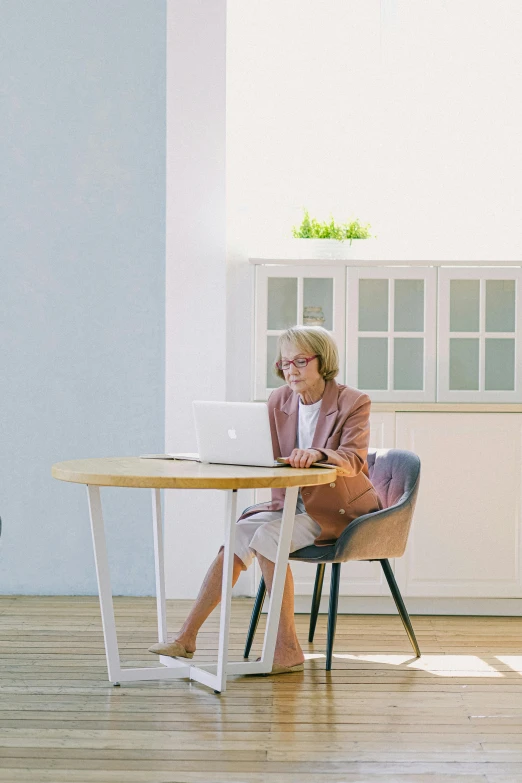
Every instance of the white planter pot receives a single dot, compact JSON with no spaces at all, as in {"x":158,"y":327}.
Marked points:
{"x":330,"y":248}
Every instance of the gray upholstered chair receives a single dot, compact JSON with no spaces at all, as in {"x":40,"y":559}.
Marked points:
{"x":395,"y":474}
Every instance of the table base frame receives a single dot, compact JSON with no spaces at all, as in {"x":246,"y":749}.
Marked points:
{"x":213,"y":675}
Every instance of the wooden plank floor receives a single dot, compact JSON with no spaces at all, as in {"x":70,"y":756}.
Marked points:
{"x":380,"y":715}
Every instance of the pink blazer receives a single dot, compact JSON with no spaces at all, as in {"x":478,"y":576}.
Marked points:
{"x":342,"y":434}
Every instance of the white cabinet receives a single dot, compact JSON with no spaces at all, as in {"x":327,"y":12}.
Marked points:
{"x":391,"y":332}
{"x":480,"y":335}
{"x":428,"y":343}
{"x":382,"y":430}
{"x":405,"y":333}
{"x":465,"y":539}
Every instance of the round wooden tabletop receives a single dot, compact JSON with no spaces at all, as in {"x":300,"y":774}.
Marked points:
{"x":179,"y":474}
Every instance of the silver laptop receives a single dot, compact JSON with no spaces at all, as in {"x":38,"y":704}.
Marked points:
{"x":234,"y":433}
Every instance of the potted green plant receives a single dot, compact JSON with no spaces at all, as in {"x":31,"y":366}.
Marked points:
{"x":330,"y":239}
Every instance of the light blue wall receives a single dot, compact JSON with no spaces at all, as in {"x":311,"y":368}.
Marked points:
{"x":82,"y":262}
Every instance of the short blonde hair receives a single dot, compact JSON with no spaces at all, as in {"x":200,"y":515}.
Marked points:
{"x":312,"y":340}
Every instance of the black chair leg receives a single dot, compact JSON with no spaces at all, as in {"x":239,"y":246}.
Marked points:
{"x":332,"y":613}
{"x":254,"y":619}
{"x":399,"y":603}
{"x":316,"y":600}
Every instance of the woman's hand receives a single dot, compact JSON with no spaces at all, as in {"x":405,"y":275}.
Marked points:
{"x":304,"y":458}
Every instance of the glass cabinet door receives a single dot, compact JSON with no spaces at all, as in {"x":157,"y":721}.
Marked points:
{"x":479,"y":334}
{"x":291,"y":295}
{"x":391,"y":332}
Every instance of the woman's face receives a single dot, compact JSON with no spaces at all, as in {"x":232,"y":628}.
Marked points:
{"x":300,"y":379}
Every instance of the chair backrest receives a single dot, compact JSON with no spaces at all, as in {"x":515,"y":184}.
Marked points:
{"x":394,"y":473}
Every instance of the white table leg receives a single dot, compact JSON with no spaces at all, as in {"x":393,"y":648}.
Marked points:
{"x":215,"y":676}
{"x":226,"y":589}
{"x":278,"y":584}
{"x":159,"y":565}
{"x":174,"y":667}
{"x":276,"y":596}
{"x":104,"y":583}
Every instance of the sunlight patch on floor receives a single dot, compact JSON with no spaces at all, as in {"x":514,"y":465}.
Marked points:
{"x":443,"y":665}
{"x":513,"y":661}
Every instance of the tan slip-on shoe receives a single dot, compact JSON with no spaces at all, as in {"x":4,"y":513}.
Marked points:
{"x":174,"y":649}
{"x":277,"y":668}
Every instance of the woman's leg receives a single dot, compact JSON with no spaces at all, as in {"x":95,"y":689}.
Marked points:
{"x":210,"y":592}
{"x":264,"y":543}
{"x":207,"y":600}
{"x":288,"y":651}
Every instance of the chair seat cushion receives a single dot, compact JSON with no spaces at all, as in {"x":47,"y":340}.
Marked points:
{"x":314,"y":554}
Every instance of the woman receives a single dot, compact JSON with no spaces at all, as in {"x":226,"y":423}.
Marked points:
{"x":312,"y":419}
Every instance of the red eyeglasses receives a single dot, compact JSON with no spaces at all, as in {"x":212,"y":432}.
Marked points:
{"x":300,"y":363}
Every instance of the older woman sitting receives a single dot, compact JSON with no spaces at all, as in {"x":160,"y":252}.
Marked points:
{"x":312,"y":419}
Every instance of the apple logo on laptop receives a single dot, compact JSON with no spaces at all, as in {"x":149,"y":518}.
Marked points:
{"x":232,"y":434}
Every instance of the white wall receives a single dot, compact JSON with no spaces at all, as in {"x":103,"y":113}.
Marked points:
{"x":82,"y":261}
{"x":405,"y":114}
{"x":196,"y":270}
